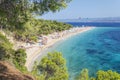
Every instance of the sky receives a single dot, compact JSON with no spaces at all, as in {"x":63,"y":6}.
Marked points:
{"x":87,"y":9}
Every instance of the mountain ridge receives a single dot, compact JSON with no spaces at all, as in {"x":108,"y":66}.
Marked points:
{"x":106,"y":19}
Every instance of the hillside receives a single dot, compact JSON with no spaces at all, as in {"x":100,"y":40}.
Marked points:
{"x":8,"y":72}
{"x":16,"y":55}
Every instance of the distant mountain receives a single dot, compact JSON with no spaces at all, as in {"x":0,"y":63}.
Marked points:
{"x":108,"y":19}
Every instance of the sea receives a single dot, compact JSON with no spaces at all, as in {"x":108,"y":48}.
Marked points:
{"x":96,"y":49}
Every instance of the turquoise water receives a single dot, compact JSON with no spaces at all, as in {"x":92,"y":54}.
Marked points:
{"x":97,"y":49}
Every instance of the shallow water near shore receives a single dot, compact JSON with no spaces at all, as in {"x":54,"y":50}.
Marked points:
{"x":97,"y":49}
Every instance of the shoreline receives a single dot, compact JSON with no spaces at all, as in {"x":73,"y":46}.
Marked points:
{"x":34,"y":52}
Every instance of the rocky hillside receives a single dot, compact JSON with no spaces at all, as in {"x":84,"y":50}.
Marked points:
{"x":8,"y":72}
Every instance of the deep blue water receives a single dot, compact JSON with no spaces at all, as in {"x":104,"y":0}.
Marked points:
{"x":97,"y":49}
{"x":97,"y":24}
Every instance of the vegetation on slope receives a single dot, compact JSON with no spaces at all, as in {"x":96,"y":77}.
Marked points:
{"x":20,"y":59}
{"x":7,"y":53}
{"x":8,"y":72}
{"x":18,"y":17}
{"x":37,"y":27}
{"x":100,"y":75}
{"x":83,"y":75}
{"x":6,"y":50}
{"x":52,"y":67}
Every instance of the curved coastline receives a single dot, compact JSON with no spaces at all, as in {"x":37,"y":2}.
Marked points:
{"x":36,"y":51}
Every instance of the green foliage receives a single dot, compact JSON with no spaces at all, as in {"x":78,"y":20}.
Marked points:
{"x":47,"y":27}
{"x":20,"y":59}
{"x":52,"y":67}
{"x":83,"y":75}
{"x":92,"y":78}
{"x":16,"y":13}
{"x":43,"y":6}
{"x":6,"y":51}
{"x":35,"y":73}
{"x":36,"y":27}
{"x":107,"y":75}
{"x":18,"y":17}
{"x":101,"y":75}
{"x":33,"y":38}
